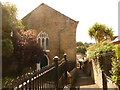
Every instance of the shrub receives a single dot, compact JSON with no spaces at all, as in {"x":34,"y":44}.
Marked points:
{"x":81,"y":49}
{"x":102,"y":53}
{"x":98,"y":49}
{"x":7,"y":48}
{"x":109,"y":57}
{"x":117,"y":50}
{"x":115,"y":71}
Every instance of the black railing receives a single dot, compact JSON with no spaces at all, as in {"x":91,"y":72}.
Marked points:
{"x":53,"y":77}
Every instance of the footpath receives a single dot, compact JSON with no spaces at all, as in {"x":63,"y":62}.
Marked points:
{"x":84,"y":81}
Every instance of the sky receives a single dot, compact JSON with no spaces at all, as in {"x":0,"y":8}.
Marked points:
{"x":87,"y":12}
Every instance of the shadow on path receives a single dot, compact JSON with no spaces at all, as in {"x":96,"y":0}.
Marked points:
{"x":84,"y":81}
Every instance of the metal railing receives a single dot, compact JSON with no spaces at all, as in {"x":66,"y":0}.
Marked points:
{"x":53,"y":77}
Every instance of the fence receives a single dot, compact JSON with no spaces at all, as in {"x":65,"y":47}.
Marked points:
{"x":53,"y":77}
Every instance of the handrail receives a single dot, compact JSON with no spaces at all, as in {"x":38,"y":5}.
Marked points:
{"x":31,"y":75}
{"x":42,"y":78}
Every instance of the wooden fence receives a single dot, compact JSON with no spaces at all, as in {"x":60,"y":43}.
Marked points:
{"x":53,"y":77}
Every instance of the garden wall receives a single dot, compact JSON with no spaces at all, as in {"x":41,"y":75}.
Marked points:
{"x":110,"y":83}
{"x":97,"y":74}
{"x":100,"y":78}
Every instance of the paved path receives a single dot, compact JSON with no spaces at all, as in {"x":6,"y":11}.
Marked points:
{"x":84,"y":81}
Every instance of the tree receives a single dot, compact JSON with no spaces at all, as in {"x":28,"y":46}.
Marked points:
{"x":9,"y":18}
{"x":9,"y":23}
{"x":100,"y":32}
{"x":87,"y":44}
{"x":27,"y":51}
{"x":81,"y":47}
{"x":80,"y":44}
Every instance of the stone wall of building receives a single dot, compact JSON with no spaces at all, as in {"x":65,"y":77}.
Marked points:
{"x":60,"y":28}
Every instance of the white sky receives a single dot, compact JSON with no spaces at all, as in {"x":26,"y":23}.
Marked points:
{"x":87,"y":12}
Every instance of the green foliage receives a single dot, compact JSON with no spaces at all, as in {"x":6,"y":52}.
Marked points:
{"x":7,"y":48}
{"x":87,"y":44}
{"x":97,"y":49}
{"x":80,"y":44}
{"x":81,"y":49}
{"x":100,"y":32}
{"x":106,"y":48}
{"x":11,"y":76}
{"x":9,"y":18}
{"x":6,"y":79}
{"x":9,"y":23}
{"x":117,"y":50}
{"x":115,"y":71}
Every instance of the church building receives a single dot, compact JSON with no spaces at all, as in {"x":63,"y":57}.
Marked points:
{"x":56,"y":33}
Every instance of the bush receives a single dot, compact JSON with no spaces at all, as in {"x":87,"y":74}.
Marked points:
{"x":7,"y":48}
{"x":98,"y":49}
{"x":102,"y":53}
{"x":115,"y":71}
{"x":81,"y":49}
{"x":109,"y":57}
{"x":117,"y":50}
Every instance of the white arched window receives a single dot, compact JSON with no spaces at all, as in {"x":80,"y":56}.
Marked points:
{"x":43,"y":40}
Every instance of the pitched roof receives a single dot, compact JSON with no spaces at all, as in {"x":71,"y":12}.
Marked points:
{"x":116,"y":40}
{"x":51,"y":8}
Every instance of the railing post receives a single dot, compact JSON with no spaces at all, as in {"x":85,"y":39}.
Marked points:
{"x":65,"y":58}
{"x":104,"y":81}
{"x":56,"y":72}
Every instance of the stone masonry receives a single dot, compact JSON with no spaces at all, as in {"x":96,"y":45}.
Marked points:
{"x":61,"y":30}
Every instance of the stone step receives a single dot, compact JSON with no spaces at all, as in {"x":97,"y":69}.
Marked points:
{"x":84,"y":81}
